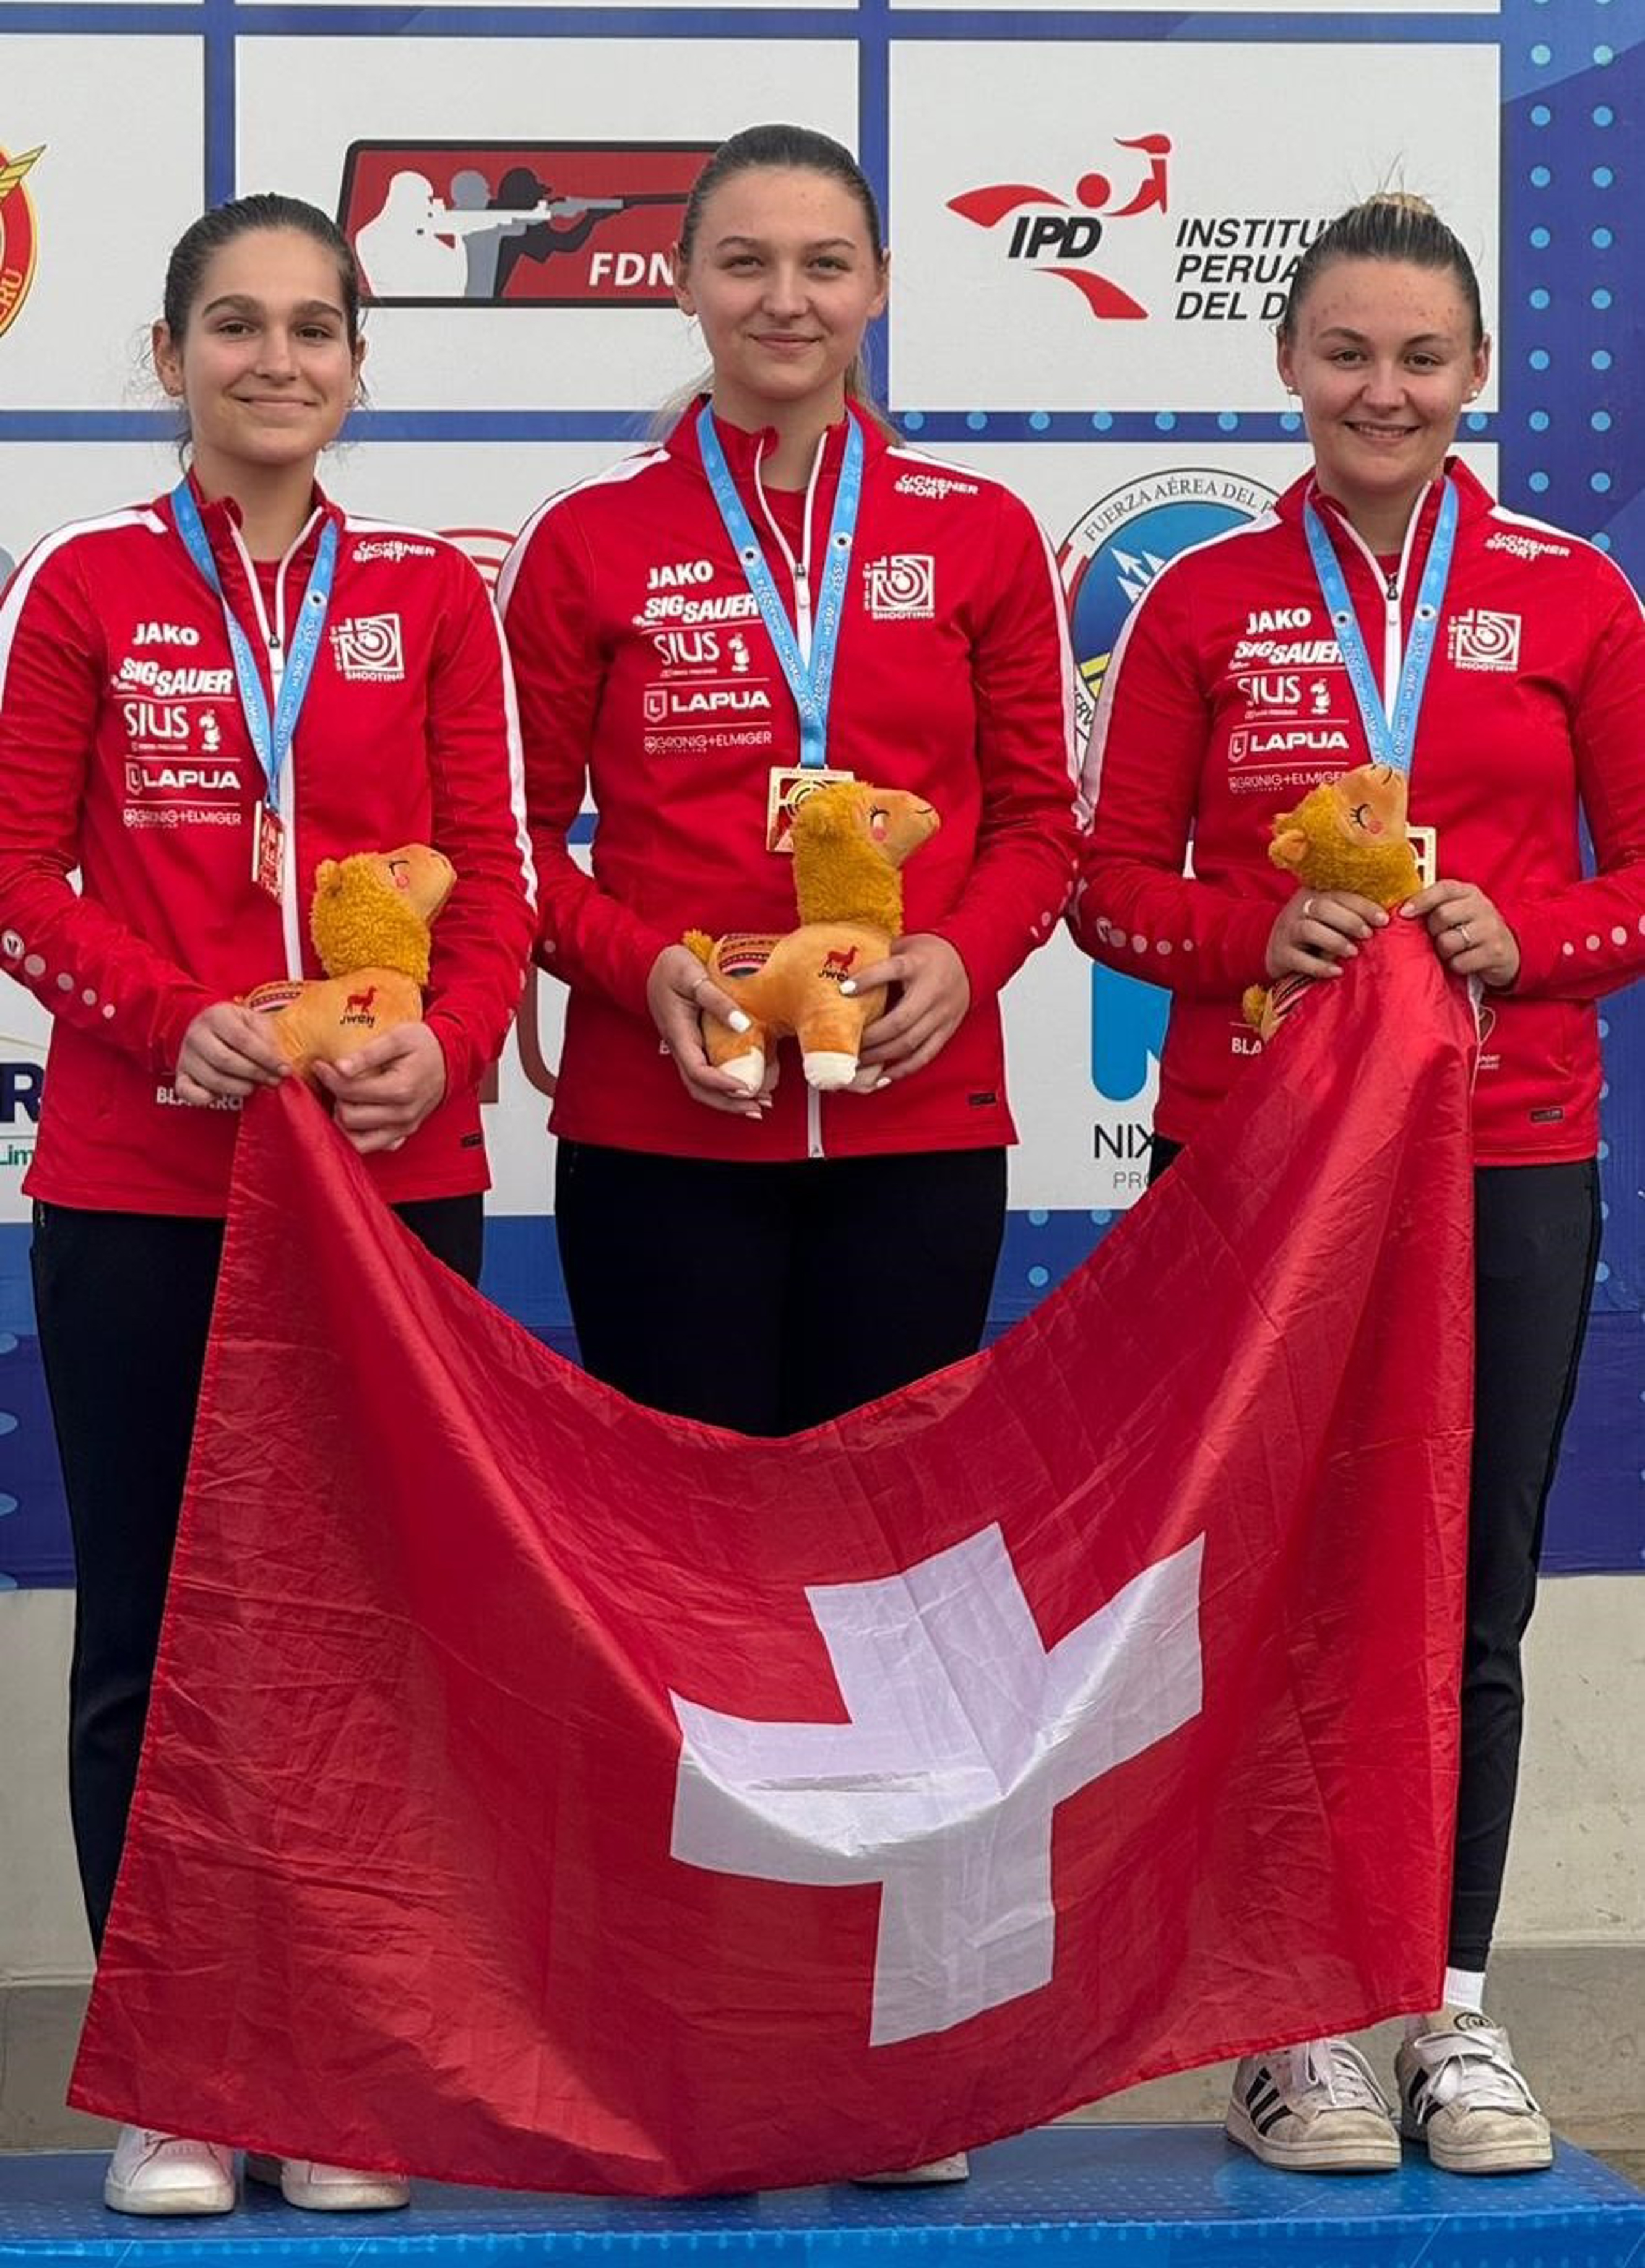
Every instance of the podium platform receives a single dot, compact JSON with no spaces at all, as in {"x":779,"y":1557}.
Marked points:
{"x":1162,"y":2197}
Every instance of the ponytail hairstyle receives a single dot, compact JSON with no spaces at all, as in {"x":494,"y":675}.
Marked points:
{"x":192,"y":253}
{"x":1391,"y":225}
{"x":788,"y":148}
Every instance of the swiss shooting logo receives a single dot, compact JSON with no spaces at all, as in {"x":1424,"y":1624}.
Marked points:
{"x":19,"y":235}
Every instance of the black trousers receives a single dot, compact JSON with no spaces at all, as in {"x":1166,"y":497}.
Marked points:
{"x":123,"y":1303}
{"x":768,"y":1298}
{"x":1536,"y":1247}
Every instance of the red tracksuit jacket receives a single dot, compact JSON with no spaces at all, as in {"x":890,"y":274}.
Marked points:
{"x":644,"y":669}
{"x":1225,"y":702}
{"x":123,"y":752}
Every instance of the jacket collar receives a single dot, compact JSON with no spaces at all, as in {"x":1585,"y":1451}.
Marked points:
{"x":1473,"y":501}
{"x":220,"y":517}
{"x":745,"y":450}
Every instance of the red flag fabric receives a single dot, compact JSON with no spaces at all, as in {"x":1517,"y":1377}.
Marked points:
{"x":545,"y":1792}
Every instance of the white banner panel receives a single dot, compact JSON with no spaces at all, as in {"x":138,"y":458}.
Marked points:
{"x":481,"y":492}
{"x":583,"y":136}
{"x":43,"y":484}
{"x":1113,"y":228}
{"x":110,"y":132}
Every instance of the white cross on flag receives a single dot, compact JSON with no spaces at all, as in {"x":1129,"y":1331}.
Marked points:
{"x":539,"y":1791}
{"x":966,"y":1733}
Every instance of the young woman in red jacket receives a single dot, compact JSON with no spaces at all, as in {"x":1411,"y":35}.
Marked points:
{"x":851,"y":1236}
{"x":1520,"y":650}
{"x":200,"y":698}
{"x":844,"y":1244}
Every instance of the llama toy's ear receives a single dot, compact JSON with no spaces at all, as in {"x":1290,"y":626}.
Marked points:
{"x":823,"y":812}
{"x":326,"y":876}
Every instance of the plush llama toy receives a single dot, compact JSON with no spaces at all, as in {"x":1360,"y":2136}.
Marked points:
{"x":850,"y":843}
{"x":1348,"y":834}
{"x":370,"y":920}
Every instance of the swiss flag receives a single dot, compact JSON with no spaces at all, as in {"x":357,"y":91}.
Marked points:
{"x":545,"y":1792}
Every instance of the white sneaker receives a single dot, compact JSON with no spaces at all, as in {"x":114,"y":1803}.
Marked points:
{"x":159,"y":2173}
{"x":1316,"y":2108}
{"x":316,"y":2188}
{"x":1460,"y":2093}
{"x":957,"y":2167}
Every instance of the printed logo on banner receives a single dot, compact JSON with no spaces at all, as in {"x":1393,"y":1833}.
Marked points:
{"x":1128,"y":1020}
{"x":1048,"y":232}
{"x":487,"y":547}
{"x":1111,"y":555}
{"x":22,"y":1085}
{"x":517,"y":224}
{"x":20,"y":245}
{"x":1214,"y":267}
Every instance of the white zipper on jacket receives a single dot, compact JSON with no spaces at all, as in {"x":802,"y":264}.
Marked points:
{"x":801,"y":568}
{"x":273,"y":643}
{"x":1391,"y":586}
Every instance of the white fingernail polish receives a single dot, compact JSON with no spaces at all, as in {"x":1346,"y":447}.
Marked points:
{"x":738,"y":1021}
{"x":848,"y":988}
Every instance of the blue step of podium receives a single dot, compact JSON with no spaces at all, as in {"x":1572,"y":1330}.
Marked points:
{"x":1162,"y":2197}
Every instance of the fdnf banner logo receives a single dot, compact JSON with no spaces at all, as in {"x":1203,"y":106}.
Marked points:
{"x":517,"y":224}
{"x":18,"y":232}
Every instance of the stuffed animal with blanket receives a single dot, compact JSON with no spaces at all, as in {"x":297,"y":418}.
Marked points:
{"x":850,"y":845}
{"x":1348,"y":834}
{"x":370,"y":919}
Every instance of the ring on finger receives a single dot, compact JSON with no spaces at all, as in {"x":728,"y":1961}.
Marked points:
{"x":1462,"y":931}
{"x":1307,"y":909}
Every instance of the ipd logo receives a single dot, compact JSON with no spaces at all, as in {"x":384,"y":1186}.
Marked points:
{"x":1049,"y":232}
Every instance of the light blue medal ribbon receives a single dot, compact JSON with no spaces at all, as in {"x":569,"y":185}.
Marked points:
{"x":810,"y":683}
{"x":270,"y":737}
{"x":1391,"y":739}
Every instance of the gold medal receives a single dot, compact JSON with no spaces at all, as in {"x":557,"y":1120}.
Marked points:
{"x":788,"y":788}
